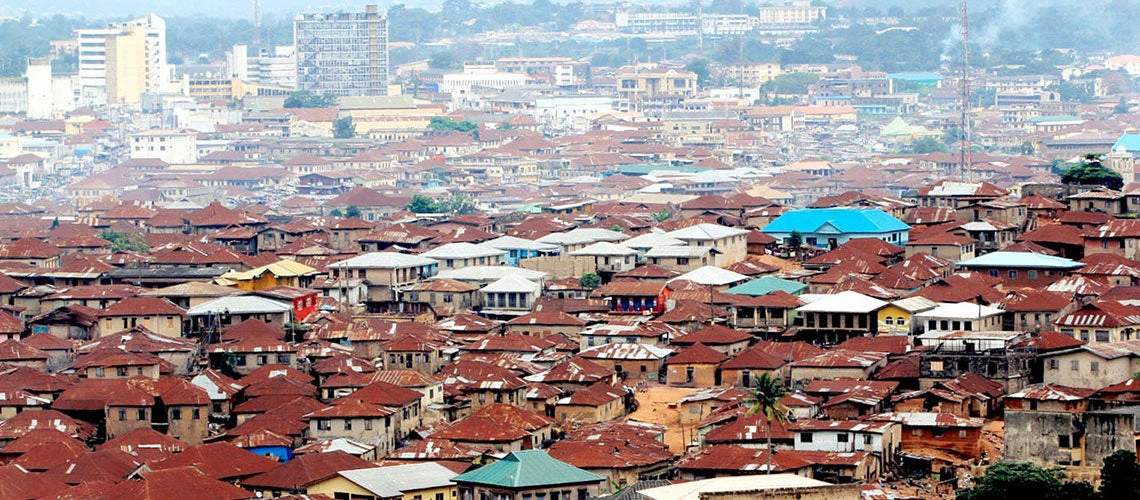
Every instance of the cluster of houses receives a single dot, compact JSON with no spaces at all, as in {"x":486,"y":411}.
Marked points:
{"x":507,"y":356}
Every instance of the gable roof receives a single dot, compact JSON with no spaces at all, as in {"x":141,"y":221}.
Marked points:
{"x":528,"y":469}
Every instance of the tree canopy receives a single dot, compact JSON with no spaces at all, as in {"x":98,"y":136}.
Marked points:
{"x":307,"y":99}
{"x":1090,"y":171}
{"x":123,"y":242}
{"x":343,"y":128}
{"x":445,"y":124}
{"x":421,"y":204}
{"x":1004,"y":480}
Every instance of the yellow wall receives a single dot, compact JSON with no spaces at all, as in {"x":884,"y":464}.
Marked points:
{"x":337,"y":484}
{"x":449,"y":493}
{"x":894,"y":312}
{"x":126,"y":67}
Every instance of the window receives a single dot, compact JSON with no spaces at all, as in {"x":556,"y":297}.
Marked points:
{"x":843,"y":438}
{"x":936,"y":366}
{"x":1054,"y":364}
{"x":889,"y":321}
{"x":867,"y":439}
{"x":121,"y":371}
{"x":262,"y":360}
{"x":1094,"y":366}
{"x":142,"y":413}
{"x":196,"y":413}
{"x":1031,"y":274}
{"x":241,"y":360}
{"x":1064,"y":441}
{"x":368,"y":424}
{"x":806,"y":437}
{"x":100,"y":372}
{"x":122,"y":415}
{"x":1075,"y":365}
{"x":283,"y":359}
{"x":1013,"y":275}
{"x":176,"y":413}
{"x":348,"y":424}
{"x":1102,"y":335}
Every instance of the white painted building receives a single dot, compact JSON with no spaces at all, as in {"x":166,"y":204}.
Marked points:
{"x":176,"y":147}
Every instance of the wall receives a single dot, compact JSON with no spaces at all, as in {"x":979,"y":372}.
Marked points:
{"x":560,"y":266}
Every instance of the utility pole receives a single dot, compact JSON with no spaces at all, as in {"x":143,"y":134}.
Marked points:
{"x":964,"y":142}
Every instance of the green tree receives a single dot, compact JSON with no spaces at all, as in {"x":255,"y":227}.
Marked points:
{"x":123,"y":242}
{"x":663,"y":215}
{"x":1121,"y":107}
{"x":795,"y":239}
{"x":352,"y":211}
{"x":421,"y":204}
{"x":590,"y":281}
{"x":1004,"y":480}
{"x":767,"y":393}
{"x":445,"y":124}
{"x":307,"y":99}
{"x":54,"y":223}
{"x":926,"y":145}
{"x":336,"y":213}
{"x":443,"y":60}
{"x":1090,"y":171}
{"x":459,"y":204}
{"x":701,"y":68}
{"x":343,"y":128}
{"x":616,"y":228}
{"x":1120,"y":476}
{"x":790,"y":83}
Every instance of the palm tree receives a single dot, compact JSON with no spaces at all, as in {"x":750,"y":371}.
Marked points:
{"x":767,"y":392}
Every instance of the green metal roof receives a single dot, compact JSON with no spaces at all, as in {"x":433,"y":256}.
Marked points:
{"x":645,"y":168}
{"x":527,"y":469}
{"x":765,"y":285}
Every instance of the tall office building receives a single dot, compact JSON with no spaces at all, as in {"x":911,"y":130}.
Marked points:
{"x":127,"y":58}
{"x":345,"y":54}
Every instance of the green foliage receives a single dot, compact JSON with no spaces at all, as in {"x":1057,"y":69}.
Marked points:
{"x":458,"y":204}
{"x":616,"y":228}
{"x":795,"y":239}
{"x":1074,"y":90}
{"x":421,"y":204}
{"x":1090,"y":171}
{"x":444,"y":60}
{"x":590,"y":281}
{"x":1004,"y":480}
{"x":663,"y":215}
{"x":352,"y":211}
{"x":307,"y":99}
{"x":1121,"y":107}
{"x":767,"y":392}
{"x":790,"y":83}
{"x":123,"y":242}
{"x":1120,"y":476}
{"x":701,"y":68}
{"x":336,"y":213}
{"x":54,"y":223}
{"x":343,"y":128}
{"x":926,"y":145}
{"x":445,"y":124}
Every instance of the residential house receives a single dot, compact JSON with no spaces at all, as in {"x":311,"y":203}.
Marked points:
{"x":832,"y":227}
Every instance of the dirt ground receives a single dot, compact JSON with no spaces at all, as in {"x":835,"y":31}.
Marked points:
{"x":993,"y":435}
{"x":653,"y":407}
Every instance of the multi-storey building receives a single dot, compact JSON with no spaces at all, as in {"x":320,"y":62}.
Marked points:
{"x":124,"y":59}
{"x":345,"y":54}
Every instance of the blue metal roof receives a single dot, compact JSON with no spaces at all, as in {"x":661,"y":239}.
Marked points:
{"x":1130,"y":143}
{"x":1021,"y":260}
{"x":844,"y":220}
{"x":915,"y":76}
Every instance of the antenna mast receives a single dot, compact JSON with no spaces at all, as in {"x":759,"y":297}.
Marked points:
{"x":964,"y":142}
{"x":257,"y":23}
